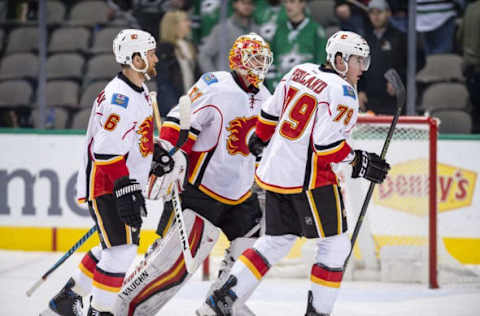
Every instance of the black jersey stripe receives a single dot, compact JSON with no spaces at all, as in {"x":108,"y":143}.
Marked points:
{"x":268,"y":116}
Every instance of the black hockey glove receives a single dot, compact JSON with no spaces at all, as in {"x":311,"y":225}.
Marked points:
{"x":256,"y":145}
{"x":369,"y":166}
{"x":162,"y":162}
{"x":130,"y":201}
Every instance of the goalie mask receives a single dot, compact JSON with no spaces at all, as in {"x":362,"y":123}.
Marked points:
{"x":347,"y":44}
{"x":129,"y":42}
{"x":251,"y":56}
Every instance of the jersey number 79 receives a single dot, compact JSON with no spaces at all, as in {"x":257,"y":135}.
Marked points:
{"x":299,"y":114}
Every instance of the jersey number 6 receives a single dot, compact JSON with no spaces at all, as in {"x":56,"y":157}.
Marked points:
{"x":111,"y":122}
{"x":299,"y":114}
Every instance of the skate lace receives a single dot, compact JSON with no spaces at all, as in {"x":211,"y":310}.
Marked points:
{"x":77,"y":307}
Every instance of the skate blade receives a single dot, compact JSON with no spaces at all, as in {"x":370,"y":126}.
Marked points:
{"x":205,"y":310}
{"x":48,"y":312}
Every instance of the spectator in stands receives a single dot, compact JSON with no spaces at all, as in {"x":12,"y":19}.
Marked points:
{"x":121,"y":10}
{"x":177,"y":66}
{"x":213,"y":53}
{"x":149,"y":13}
{"x":205,"y":15}
{"x":469,"y":42}
{"x":297,"y":40}
{"x":388,"y":47}
{"x":8,"y":118}
{"x":352,"y":16}
{"x":436,"y":23}
{"x":268,"y":14}
{"x":16,"y":10}
{"x":399,"y":18}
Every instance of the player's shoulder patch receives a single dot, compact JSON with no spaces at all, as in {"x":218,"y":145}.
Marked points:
{"x":120,"y":99}
{"x":349,"y":92}
{"x":209,"y":78}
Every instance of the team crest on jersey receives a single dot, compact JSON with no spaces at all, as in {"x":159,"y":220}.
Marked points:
{"x":146,"y":141}
{"x":239,"y":129}
{"x":349,"y":92}
{"x":209,"y":78}
{"x":120,"y":99}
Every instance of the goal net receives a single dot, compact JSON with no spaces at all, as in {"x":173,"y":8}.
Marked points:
{"x":398,"y":238}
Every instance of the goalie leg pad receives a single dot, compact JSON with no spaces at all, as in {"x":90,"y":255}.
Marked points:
{"x":161,"y":274}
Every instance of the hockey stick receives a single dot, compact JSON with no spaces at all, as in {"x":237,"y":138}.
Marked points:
{"x":62,"y":260}
{"x":394,"y":79}
{"x":184,"y":106}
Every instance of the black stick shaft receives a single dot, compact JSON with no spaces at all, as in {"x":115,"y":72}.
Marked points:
{"x":71,"y":251}
{"x":393,"y":77}
{"x":62,"y":260}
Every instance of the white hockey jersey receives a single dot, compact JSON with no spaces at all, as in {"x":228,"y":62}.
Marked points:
{"x":119,"y":139}
{"x":309,"y":118}
{"x":224,"y":114}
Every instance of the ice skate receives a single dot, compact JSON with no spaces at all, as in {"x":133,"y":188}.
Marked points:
{"x":65,"y":303}
{"x":221,"y":301}
{"x":93,"y":312}
{"x":240,"y":310}
{"x":310,"y":309}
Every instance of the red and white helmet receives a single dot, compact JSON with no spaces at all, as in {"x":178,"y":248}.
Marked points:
{"x":251,"y":56}
{"x":347,"y":44}
{"x":131,"y":41}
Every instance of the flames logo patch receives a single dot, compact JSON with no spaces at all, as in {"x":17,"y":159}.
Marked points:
{"x":146,"y":141}
{"x":239,"y":129}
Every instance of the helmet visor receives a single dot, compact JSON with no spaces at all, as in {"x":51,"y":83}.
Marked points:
{"x":364,"y":62}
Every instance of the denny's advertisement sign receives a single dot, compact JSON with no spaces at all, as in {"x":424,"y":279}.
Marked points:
{"x":406,"y":187}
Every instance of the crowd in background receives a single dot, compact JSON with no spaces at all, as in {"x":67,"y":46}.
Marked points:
{"x":194,"y":37}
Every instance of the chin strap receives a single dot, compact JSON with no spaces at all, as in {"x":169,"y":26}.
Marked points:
{"x":144,"y":70}
{"x":342,"y":73}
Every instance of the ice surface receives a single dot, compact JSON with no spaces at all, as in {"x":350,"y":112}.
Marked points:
{"x":274,"y":297}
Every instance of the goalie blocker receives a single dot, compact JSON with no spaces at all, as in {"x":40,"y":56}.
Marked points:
{"x":161,"y":274}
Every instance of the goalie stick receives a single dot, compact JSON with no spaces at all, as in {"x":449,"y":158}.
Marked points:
{"x":184,"y":106}
{"x":394,"y":79}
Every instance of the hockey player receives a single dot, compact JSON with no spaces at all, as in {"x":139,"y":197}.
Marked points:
{"x":306,"y":124}
{"x":217,"y":193}
{"x":117,"y":158}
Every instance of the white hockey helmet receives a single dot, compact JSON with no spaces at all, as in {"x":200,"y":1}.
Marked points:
{"x":131,"y":41}
{"x":347,"y":44}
